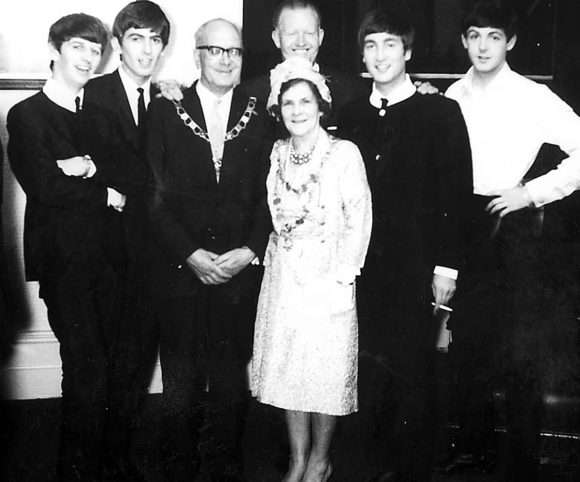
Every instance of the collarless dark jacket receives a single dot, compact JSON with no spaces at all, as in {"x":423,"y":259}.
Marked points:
{"x":418,"y":163}
{"x":64,"y":213}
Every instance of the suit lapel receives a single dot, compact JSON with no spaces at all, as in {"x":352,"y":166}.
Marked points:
{"x":192,"y":106}
{"x":120,"y":97}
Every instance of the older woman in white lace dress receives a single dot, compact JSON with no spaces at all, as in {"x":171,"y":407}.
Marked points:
{"x":306,"y":335}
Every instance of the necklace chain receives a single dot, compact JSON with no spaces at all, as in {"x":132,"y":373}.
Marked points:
{"x":304,"y":190}
{"x":300,"y":158}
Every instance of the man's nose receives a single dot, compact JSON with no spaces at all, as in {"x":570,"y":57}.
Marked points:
{"x":301,"y":38}
{"x":381,"y":52}
{"x":483,"y":44}
{"x":147,"y":46}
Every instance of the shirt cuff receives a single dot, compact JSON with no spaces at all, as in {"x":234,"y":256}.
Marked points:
{"x":447,"y":272}
{"x":345,"y":274}
{"x":114,"y":198}
{"x":92,"y":168}
{"x":255,"y":261}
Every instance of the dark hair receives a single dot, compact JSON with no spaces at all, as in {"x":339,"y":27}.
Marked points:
{"x":142,"y":14}
{"x":393,"y":19}
{"x":491,"y":13}
{"x":324,"y":106}
{"x":78,"y":25}
{"x":294,"y":5}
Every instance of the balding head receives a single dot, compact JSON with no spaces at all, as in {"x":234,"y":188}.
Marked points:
{"x":220,"y":67}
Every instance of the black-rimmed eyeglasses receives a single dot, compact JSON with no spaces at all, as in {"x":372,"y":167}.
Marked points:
{"x":215,"y":51}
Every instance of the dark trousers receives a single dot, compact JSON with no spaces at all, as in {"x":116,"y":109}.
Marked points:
{"x":131,"y":367}
{"x":474,"y":352}
{"x":83,"y":311}
{"x":205,"y":345}
{"x":398,"y":373}
{"x":501,"y":332}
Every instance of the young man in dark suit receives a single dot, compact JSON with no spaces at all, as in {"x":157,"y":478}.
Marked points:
{"x":417,"y":156}
{"x":210,"y":155}
{"x":140,"y":35}
{"x":77,"y":175}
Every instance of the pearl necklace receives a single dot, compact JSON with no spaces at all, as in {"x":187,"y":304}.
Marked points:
{"x":300,"y":159}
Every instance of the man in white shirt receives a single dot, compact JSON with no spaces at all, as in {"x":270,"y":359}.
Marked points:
{"x":508,"y":118}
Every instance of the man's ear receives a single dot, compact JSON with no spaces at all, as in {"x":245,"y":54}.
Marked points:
{"x":320,"y":36}
{"x":53,"y":53}
{"x":408,"y":54}
{"x":197,"y":59}
{"x":464,"y":41}
{"x":116,"y":45}
{"x":276,"y":37}
{"x":512,"y":42}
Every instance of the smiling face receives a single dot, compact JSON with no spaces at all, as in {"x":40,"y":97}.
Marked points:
{"x":75,"y":63}
{"x":487,"y":48}
{"x":140,"y":50}
{"x":219,"y":73}
{"x":300,"y":111}
{"x":385,"y":57}
{"x":298,"y":34}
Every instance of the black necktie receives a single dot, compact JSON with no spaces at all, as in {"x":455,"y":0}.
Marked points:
{"x":383,"y":109}
{"x":78,"y":104}
{"x":141,"y":116}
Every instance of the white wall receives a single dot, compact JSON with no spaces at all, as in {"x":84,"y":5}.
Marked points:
{"x":33,"y":371}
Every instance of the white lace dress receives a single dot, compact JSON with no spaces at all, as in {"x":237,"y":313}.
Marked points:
{"x":306,"y":334}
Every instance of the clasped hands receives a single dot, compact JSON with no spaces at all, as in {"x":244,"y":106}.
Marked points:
{"x":214,"y":269}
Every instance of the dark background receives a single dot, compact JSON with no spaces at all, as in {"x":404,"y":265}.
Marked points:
{"x":548,"y":43}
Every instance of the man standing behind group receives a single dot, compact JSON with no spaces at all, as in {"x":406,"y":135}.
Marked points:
{"x":297,"y":31}
{"x":417,"y":157}
{"x":141,"y":32}
{"x":77,"y":175}
{"x":514,"y":283}
{"x":209,"y":154}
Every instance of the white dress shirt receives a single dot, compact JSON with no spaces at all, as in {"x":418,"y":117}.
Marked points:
{"x":131,"y":87}
{"x":508,"y":122}
{"x":208,"y":102}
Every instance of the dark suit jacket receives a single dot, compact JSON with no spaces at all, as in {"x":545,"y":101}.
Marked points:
{"x":190,"y":210}
{"x":108,"y":92}
{"x":64,"y":214}
{"x":418,"y":164}
{"x":343,"y":87}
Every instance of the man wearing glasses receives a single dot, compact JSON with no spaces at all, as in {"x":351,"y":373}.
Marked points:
{"x":209,"y":154}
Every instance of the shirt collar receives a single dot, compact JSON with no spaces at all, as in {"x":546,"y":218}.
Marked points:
{"x":62,"y":96}
{"x":207,"y":97}
{"x":398,"y":94}
{"x":130,"y":85}
{"x":495,"y":84}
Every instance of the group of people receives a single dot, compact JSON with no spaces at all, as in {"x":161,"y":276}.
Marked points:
{"x":227,"y":225}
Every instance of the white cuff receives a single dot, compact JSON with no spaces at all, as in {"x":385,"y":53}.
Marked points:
{"x":447,"y":272}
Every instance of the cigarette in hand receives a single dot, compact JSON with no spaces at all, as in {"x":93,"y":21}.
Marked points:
{"x":443,"y":307}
